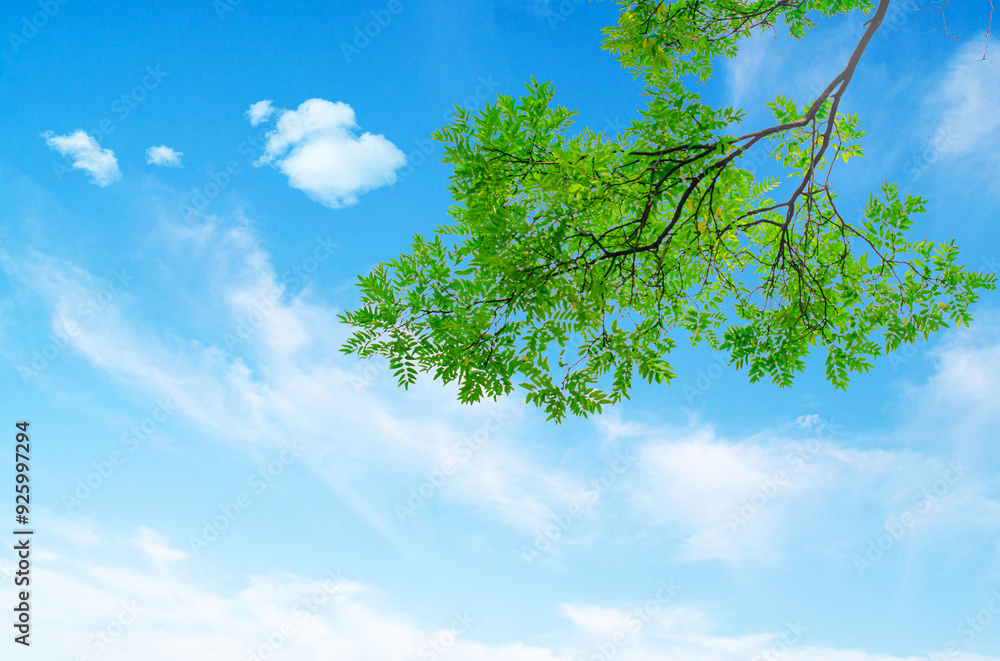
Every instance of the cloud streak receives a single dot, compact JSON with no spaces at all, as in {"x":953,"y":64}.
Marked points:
{"x":140,"y":607}
{"x":86,"y":155}
{"x":968,"y":98}
{"x":285,"y":378}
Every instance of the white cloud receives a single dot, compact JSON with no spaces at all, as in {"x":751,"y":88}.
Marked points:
{"x":157,"y":547}
{"x":87,"y":606}
{"x":743,"y":71}
{"x":86,"y":155}
{"x":960,"y":401}
{"x":80,"y":533}
{"x":260,"y":112}
{"x":969,"y":97}
{"x":316,"y":147}
{"x":282,"y":376}
{"x":968,"y":372}
{"x":694,"y":482}
{"x":717,"y":499}
{"x":164,"y":155}
{"x":597,"y":621}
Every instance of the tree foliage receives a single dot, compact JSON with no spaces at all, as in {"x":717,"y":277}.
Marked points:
{"x":573,"y":261}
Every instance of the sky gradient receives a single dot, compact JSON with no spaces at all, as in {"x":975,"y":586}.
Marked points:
{"x":189,"y":191}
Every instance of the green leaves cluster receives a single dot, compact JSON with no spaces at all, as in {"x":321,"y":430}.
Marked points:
{"x":572,"y":261}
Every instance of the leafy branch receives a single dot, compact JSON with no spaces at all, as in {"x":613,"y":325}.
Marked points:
{"x":573,"y":260}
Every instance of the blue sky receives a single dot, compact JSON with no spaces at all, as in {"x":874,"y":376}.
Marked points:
{"x":214,"y":479}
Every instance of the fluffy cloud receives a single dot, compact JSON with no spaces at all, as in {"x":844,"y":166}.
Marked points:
{"x":260,"y":112}
{"x":86,"y":155}
{"x":316,"y":147}
{"x":164,"y":155}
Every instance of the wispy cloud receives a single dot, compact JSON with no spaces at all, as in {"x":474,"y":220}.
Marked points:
{"x":960,"y":400}
{"x":744,"y":71}
{"x":286,"y":378}
{"x":161,"y":615}
{"x":753,"y":499}
{"x":86,"y":155}
{"x":157,"y":547}
{"x":968,"y":97}
{"x":316,"y":147}
{"x":709,"y":497}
